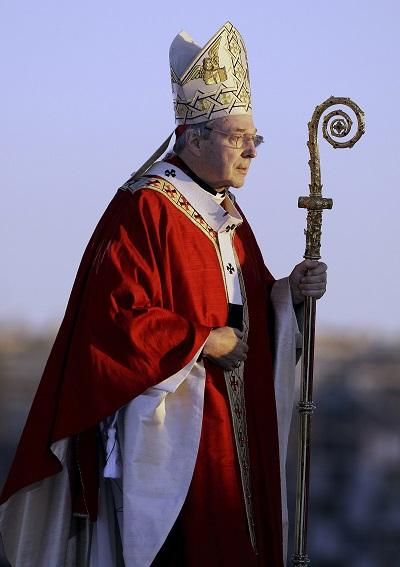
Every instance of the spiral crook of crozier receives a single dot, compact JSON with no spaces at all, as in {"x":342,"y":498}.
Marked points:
{"x":337,"y":126}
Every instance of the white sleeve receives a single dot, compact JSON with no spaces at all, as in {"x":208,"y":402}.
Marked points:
{"x":287,"y":344}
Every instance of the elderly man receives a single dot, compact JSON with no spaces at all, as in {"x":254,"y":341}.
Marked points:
{"x":158,"y":434}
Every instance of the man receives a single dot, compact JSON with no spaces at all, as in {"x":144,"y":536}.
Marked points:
{"x":158,"y":434}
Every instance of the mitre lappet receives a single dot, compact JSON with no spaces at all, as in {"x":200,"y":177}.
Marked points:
{"x":207,"y":82}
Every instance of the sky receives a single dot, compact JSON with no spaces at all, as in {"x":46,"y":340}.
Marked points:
{"x":86,"y":98}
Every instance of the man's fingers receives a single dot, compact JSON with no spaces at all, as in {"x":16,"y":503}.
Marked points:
{"x":237,"y":332}
{"x":239,"y":351}
{"x":314,"y":292}
{"x":231,"y":363}
{"x":227,"y":363}
{"x":239,"y":356}
{"x":313,"y":285}
{"x":231,"y":360}
{"x":225,"y":347}
{"x":308,"y":279}
{"x":311,"y":279}
{"x":317,"y":268}
{"x":312,"y":266}
{"x":307,"y":265}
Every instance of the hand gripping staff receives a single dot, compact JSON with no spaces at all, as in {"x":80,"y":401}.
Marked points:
{"x":337,"y":124}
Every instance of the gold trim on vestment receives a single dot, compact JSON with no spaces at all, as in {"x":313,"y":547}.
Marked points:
{"x":234,"y":378}
{"x":235,"y":386}
{"x":174,"y":196}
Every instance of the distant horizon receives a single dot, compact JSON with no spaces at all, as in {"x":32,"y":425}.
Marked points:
{"x":50,"y":328}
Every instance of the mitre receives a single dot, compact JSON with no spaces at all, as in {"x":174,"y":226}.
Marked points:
{"x":207,"y":82}
{"x":212,"y":81}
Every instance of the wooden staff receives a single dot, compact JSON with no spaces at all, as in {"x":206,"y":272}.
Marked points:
{"x":336,"y":125}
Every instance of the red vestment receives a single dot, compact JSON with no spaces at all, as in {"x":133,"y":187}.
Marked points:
{"x":148,"y":292}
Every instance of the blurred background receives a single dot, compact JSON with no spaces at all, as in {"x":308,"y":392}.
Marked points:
{"x":85,"y":99}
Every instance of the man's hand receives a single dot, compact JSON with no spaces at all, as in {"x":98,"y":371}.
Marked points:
{"x":308,"y":278}
{"x":225,"y":347}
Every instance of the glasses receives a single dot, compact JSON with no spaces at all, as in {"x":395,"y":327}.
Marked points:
{"x":239,"y":141}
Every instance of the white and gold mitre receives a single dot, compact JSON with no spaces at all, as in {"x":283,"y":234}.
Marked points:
{"x":209,"y":82}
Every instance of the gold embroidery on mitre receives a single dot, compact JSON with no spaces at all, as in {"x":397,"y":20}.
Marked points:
{"x":210,"y":70}
{"x":216,"y":82}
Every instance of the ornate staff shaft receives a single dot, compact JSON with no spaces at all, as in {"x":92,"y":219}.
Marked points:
{"x":336,"y":124}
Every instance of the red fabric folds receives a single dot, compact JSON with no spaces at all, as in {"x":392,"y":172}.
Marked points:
{"x":124,"y":330}
{"x":148,"y":291}
{"x":212,"y":527}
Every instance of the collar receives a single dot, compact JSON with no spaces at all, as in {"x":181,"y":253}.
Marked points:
{"x":221,"y":219}
{"x":178,"y":161}
{"x":201,"y":207}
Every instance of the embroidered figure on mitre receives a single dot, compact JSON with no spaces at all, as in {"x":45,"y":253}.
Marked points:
{"x":210,"y":71}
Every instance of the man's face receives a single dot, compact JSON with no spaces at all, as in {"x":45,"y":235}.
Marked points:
{"x":224,"y":165}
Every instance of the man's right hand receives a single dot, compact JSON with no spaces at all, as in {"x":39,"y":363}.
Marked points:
{"x":225,"y":347}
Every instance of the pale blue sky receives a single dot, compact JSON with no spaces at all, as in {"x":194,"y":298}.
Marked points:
{"x":85,"y":99}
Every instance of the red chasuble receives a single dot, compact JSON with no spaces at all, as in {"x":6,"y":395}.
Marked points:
{"x":147,"y":294}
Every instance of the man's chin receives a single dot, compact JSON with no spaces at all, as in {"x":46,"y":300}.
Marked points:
{"x":235,"y":182}
{"x":238,"y":183}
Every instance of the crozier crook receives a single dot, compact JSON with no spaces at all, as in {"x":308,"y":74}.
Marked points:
{"x":337,"y":125}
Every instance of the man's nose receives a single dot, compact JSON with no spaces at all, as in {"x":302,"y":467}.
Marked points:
{"x":249,"y":150}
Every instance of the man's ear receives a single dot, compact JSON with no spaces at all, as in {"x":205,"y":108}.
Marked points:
{"x":193,"y":143}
